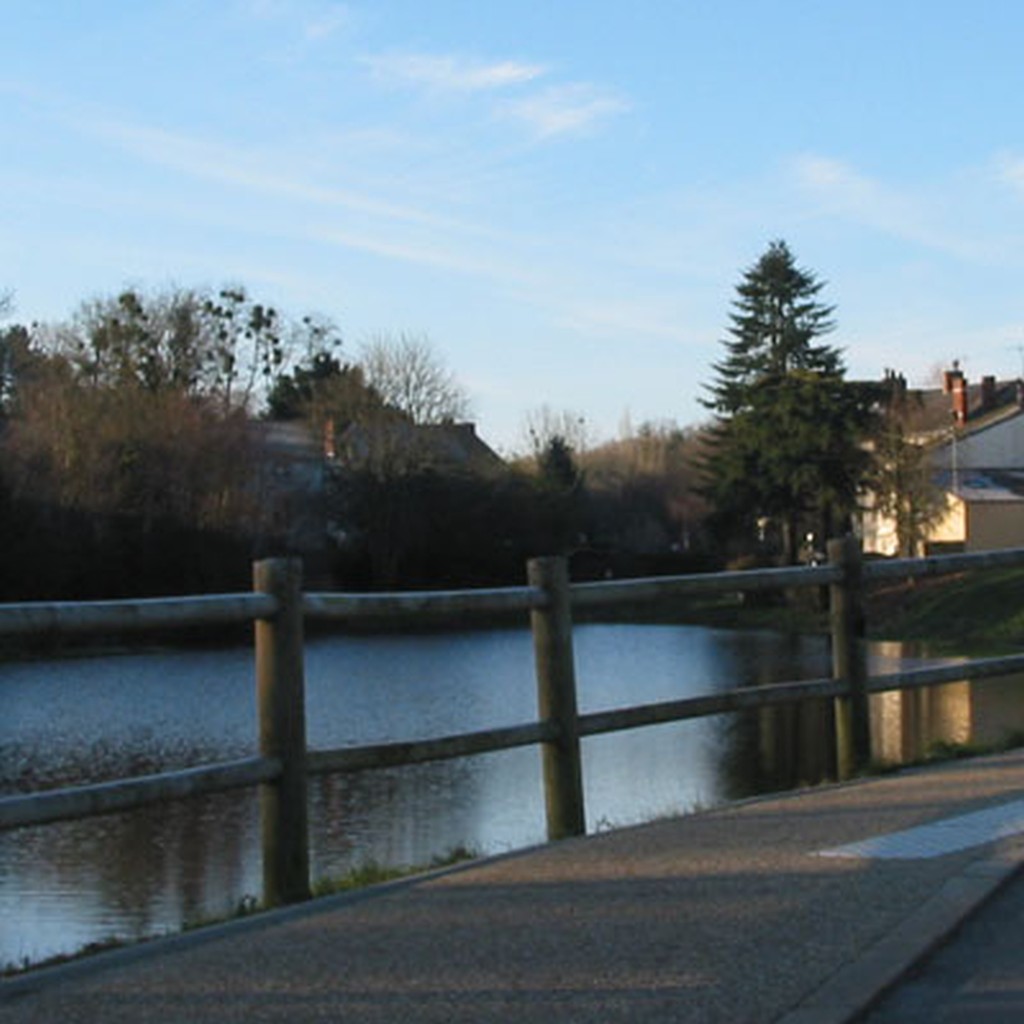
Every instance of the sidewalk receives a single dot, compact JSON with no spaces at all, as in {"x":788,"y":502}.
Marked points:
{"x":772,"y":910}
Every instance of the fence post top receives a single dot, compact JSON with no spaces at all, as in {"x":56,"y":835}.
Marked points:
{"x":548,"y":570}
{"x":843,"y":549}
{"x":548,"y":560}
{"x":279,"y":562}
{"x":269,"y":573}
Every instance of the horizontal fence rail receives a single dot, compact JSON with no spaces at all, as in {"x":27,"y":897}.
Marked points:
{"x":444,"y":748}
{"x":743,"y":699}
{"x":941,"y":565}
{"x":67,"y":804}
{"x":611,"y":594}
{"x":277,"y":608}
{"x":977,"y":668}
{"x":65,"y":617}
{"x":418,"y":606}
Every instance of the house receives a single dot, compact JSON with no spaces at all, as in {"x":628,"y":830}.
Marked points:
{"x":973,"y":440}
{"x":308,"y":480}
{"x":399,"y":446}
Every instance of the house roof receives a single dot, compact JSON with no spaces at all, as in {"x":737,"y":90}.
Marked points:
{"x":437,"y":445}
{"x":930,"y":410}
{"x":287,"y":439}
{"x":983,"y":485}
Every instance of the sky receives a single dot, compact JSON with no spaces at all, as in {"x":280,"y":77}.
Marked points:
{"x":561,"y":196}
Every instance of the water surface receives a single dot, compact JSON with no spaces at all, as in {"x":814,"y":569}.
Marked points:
{"x":126,"y":876}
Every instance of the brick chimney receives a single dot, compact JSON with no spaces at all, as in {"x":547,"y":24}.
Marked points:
{"x":955,"y":384}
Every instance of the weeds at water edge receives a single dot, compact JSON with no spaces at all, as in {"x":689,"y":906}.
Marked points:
{"x":367,"y":874}
{"x":948,"y":750}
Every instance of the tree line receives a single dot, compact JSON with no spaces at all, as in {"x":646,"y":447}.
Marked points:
{"x":134,"y":456}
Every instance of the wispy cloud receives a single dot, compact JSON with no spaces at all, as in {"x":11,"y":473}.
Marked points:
{"x":327,"y":22}
{"x":924,"y":217}
{"x":450,"y":73}
{"x":572,"y":109}
{"x":345,"y":217}
{"x":230,"y":165}
{"x":648,"y":317}
{"x":314,"y":20}
{"x":1010,"y":171}
{"x":546,"y":109}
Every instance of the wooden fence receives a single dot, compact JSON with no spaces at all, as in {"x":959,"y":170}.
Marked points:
{"x":283,"y":764}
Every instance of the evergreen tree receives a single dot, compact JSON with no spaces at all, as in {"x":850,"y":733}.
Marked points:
{"x":785,"y":455}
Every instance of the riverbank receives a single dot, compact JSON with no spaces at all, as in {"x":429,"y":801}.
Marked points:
{"x":965,"y":613}
{"x":980,"y":612}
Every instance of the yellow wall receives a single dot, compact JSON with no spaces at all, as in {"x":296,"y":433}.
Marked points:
{"x":952,"y":527}
{"x":879,"y":532}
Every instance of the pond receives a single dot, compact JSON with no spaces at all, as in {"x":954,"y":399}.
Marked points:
{"x":126,"y":876}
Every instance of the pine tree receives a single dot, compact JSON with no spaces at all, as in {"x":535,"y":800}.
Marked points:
{"x":785,"y":455}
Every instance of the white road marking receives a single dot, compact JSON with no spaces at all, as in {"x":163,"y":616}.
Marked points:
{"x":939,"y":837}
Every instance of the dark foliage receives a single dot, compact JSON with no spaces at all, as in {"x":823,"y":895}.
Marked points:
{"x":785,"y":457}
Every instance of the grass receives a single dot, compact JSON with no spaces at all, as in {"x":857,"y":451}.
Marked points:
{"x":90,"y":949}
{"x":948,"y":750}
{"x":372,"y":873}
{"x":976,"y":612}
{"x":972,"y":612}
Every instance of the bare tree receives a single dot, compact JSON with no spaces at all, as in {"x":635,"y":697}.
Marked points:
{"x":138,"y":406}
{"x":543,"y":425}
{"x":412,"y":379}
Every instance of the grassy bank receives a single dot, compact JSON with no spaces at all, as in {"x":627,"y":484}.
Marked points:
{"x":978,"y":612}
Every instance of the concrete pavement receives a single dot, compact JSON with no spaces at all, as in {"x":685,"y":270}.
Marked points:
{"x":800,"y":908}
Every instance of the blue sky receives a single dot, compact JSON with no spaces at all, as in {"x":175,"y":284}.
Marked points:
{"x":560,"y":195}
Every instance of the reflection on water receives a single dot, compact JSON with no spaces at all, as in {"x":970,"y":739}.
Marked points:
{"x":66,"y":885}
{"x":906,"y":725}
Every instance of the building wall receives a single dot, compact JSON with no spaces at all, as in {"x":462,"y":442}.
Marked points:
{"x":951,"y":529}
{"x":995,"y":524}
{"x":878,"y":532}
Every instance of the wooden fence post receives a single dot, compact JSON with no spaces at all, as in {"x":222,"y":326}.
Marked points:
{"x":852,"y":715}
{"x":280,"y":688}
{"x":556,"y":697}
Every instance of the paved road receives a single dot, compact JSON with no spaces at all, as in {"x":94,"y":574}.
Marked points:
{"x":975,"y":978}
{"x":797,"y":909}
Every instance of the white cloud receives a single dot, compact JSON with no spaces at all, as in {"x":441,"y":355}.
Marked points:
{"x":262,"y":10}
{"x":1010,"y":171}
{"x":933,"y":215}
{"x":234,"y":166}
{"x":314,"y":20}
{"x":849,"y":192}
{"x":327,"y":22}
{"x":570,"y":109}
{"x":649,"y":317}
{"x":449,"y":73}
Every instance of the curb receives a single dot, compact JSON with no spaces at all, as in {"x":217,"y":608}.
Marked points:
{"x":854,"y":989}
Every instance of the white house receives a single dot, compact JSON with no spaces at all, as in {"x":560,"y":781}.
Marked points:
{"x":975,"y":439}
